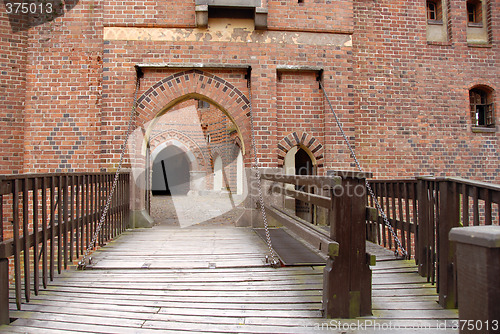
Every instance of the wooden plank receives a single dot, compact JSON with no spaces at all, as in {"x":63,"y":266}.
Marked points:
{"x":303,"y":196}
{"x":236,"y":299}
{"x":303,"y":229}
{"x":323,"y":182}
{"x":146,"y":306}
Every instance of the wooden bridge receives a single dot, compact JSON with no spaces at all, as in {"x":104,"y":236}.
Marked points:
{"x":206,"y":279}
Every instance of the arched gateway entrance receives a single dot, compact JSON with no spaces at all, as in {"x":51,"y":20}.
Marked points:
{"x":162,"y":97}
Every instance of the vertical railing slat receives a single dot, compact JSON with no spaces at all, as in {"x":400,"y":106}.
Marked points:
{"x":487,"y":207}
{"x":17,"y":245}
{"x":26,"y":238}
{"x":44,"y":232}
{"x":406,"y":194}
{"x":475,"y":208}
{"x":36,"y":273}
{"x":465,"y":205}
{"x":383,"y":199}
{"x":52,"y":227}
{"x":391,"y":211}
{"x":65,"y":227}
{"x":399,"y":194}
{"x":77,"y":217}
{"x":88,"y":224}
{"x":1,"y":215}
{"x":59,"y":224}
{"x":71,"y":217}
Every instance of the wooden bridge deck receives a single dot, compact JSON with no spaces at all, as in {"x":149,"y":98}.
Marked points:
{"x":213,"y":280}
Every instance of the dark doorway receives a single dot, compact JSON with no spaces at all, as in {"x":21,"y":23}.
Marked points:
{"x":171,"y":172}
{"x":303,"y":166}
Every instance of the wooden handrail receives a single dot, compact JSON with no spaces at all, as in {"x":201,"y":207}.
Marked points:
{"x":52,"y":233}
{"x":304,"y":180}
{"x":432,"y":206}
{"x":347,"y":275}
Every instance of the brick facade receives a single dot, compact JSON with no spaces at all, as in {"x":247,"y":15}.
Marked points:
{"x":69,"y":84}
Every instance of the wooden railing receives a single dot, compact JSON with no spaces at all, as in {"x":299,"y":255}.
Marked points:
{"x":347,"y":275}
{"x":47,"y":222}
{"x":423,"y":211}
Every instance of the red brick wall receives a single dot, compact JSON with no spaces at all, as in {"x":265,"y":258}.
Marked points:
{"x":412,"y":96}
{"x":150,"y":13}
{"x":63,"y":97}
{"x":403,"y":102}
{"x":13,"y":39}
{"x":311,"y":15}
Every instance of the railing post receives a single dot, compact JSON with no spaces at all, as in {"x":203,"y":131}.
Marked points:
{"x":422,"y":228}
{"x":478,"y":261}
{"x":347,"y":280}
{"x":449,"y":214}
{"x":4,"y":292}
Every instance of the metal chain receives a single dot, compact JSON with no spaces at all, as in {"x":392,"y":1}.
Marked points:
{"x":82,"y":264}
{"x":399,"y":246}
{"x":273,"y":261}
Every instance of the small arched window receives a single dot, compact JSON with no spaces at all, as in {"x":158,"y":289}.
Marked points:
{"x":482,"y":107}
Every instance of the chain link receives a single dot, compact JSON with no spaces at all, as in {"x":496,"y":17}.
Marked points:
{"x":273,"y":261}
{"x":82,"y":264}
{"x":399,"y":246}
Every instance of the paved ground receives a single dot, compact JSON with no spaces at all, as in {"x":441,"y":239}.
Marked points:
{"x":185,"y":211}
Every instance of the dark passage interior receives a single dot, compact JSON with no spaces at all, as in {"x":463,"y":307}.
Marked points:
{"x":171,"y":172}
{"x":303,"y":166}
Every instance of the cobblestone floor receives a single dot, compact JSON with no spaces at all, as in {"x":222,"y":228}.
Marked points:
{"x":206,"y":210}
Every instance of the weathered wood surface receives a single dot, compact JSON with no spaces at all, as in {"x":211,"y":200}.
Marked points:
{"x":180,"y":293}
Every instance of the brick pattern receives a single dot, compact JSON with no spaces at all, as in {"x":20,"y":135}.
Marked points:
{"x":13,"y":53}
{"x":191,"y":84}
{"x":157,"y":13}
{"x":63,"y":92}
{"x":403,"y":101}
{"x":302,"y":139}
{"x":412,"y":96}
{"x":311,"y":15}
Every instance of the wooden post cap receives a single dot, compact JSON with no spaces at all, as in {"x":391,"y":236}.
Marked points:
{"x":485,"y":236}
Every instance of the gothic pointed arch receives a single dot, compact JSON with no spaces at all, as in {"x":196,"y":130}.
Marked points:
{"x":196,"y":84}
{"x":304,"y":140}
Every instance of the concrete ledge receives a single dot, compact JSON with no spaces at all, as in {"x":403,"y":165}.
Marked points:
{"x":484,"y":236}
{"x":230,"y":3}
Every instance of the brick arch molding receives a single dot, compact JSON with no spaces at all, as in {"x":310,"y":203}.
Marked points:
{"x":188,"y":143}
{"x":302,"y":139}
{"x":196,"y":84}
